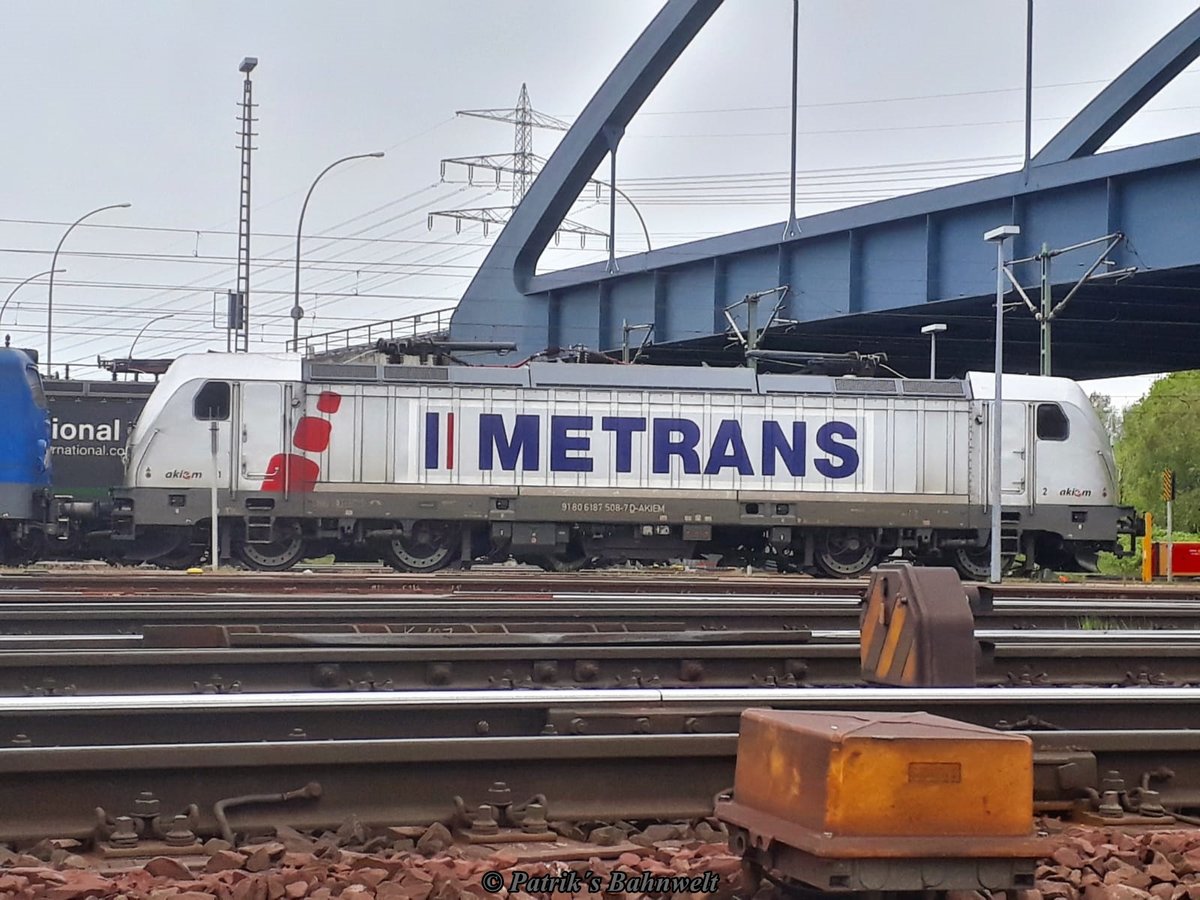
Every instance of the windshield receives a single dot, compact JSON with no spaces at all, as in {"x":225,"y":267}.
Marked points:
{"x":35,"y":386}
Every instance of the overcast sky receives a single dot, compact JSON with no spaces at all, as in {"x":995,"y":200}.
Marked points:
{"x":136,"y":102}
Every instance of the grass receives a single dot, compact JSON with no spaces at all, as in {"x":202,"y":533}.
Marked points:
{"x":1130,"y":567}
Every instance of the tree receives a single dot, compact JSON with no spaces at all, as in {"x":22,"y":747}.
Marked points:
{"x":1162,"y":431}
{"x":1109,"y":415}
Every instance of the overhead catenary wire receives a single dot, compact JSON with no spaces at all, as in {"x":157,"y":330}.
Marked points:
{"x":198,"y":288}
{"x":439,"y":259}
{"x":428,"y":269}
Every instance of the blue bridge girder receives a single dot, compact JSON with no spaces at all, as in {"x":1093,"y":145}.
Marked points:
{"x":868,"y":277}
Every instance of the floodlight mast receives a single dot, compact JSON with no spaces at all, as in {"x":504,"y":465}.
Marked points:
{"x":933,"y":331}
{"x":998,"y":236}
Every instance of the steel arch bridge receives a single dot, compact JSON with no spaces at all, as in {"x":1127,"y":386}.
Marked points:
{"x":867,"y":278}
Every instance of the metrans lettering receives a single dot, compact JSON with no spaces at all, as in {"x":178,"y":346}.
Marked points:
{"x":675,"y":444}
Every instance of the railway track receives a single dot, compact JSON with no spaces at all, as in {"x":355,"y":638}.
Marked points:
{"x":596,"y":755}
{"x":55,"y":613}
{"x":616,"y":697}
{"x":503,"y":579}
{"x":165,"y":662}
{"x":371,"y":580}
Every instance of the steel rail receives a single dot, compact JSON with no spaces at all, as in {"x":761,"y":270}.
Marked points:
{"x":133,"y":718}
{"x":493,"y":579}
{"x":413,"y":781}
{"x":54,"y":790}
{"x":123,"y":615}
{"x":506,"y":579}
{"x":857,"y":696}
{"x":345,"y":663}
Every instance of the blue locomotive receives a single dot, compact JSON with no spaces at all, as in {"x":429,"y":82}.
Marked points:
{"x":25,"y":491}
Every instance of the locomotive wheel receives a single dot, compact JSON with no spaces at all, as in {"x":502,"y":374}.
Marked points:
{"x":566,"y":561}
{"x":975,"y":563}
{"x":846,"y":552}
{"x":972,"y":563}
{"x":16,"y":553}
{"x":185,"y":557}
{"x":427,"y":547}
{"x":281,"y":554}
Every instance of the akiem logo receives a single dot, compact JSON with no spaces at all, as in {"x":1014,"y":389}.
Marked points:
{"x":780,"y":447}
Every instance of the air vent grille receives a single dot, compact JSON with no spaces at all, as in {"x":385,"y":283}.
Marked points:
{"x":865,"y":386}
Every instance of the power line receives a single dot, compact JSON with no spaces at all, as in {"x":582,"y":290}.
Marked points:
{"x":865,"y":102}
{"x":839,"y":170}
{"x":197,"y":286}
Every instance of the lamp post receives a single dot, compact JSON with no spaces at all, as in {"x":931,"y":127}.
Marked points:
{"x":54,"y":268}
{"x":933,"y":331}
{"x":998,"y":236}
{"x":297,"y":311}
{"x":4,"y":306}
{"x":143,"y":331}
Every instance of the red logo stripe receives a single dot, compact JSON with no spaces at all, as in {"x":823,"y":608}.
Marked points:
{"x":291,"y":470}
{"x":312,"y":434}
{"x":328,"y":402}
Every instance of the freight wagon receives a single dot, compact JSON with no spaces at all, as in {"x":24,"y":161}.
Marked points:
{"x":567,"y":464}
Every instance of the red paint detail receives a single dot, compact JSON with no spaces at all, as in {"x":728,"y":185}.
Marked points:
{"x":291,"y":470}
{"x":312,"y":434}
{"x":1185,"y":558}
{"x":329,"y":402}
{"x":449,"y":440}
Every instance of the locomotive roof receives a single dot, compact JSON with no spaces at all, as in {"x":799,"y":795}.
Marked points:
{"x":291,"y":367}
{"x":1028,"y":387}
{"x":694,"y":378}
{"x":16,"y":359}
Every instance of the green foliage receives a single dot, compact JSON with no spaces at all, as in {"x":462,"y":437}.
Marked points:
{"x":1162,"y":431}
{"x":1110,"y":417}
{"x":1129,"y":567}
{"x":1124,"y":567}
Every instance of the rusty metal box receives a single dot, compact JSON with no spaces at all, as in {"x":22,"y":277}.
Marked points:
{"x":860,"y":774}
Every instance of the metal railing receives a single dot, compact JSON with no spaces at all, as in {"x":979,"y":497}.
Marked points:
{"x":434,"y":321}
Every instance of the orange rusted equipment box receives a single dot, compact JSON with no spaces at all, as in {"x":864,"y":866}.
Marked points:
{"x":883,"y":801}
{"x":917,"y":629}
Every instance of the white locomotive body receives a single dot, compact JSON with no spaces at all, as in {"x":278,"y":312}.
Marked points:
{"x":569,"y":463}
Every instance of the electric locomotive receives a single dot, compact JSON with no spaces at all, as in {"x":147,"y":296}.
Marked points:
{"x":567,"y":464}
{"x":24,"y":458}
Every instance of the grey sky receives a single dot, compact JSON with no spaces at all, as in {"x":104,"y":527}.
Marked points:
{"x":136,"y":102}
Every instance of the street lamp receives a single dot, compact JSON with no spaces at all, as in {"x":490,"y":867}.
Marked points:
{"x":933,"y":331}
{"x":143,"y":331}
{"x":54,"y":268}
{"x":4,"y":306}
{"x":998,"y":236}
{"x":297,"y":312}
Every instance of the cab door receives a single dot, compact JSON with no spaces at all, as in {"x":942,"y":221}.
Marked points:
{"x":263,"y":433}
{"x":1014,"y":454}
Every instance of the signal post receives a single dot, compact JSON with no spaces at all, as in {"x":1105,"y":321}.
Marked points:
{"x":1168,"y":495}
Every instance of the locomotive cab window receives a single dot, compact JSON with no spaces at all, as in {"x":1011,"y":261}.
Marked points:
{"x":1052,"y":423}
{"x":212,"y":402}
{"x":35,"y":386}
